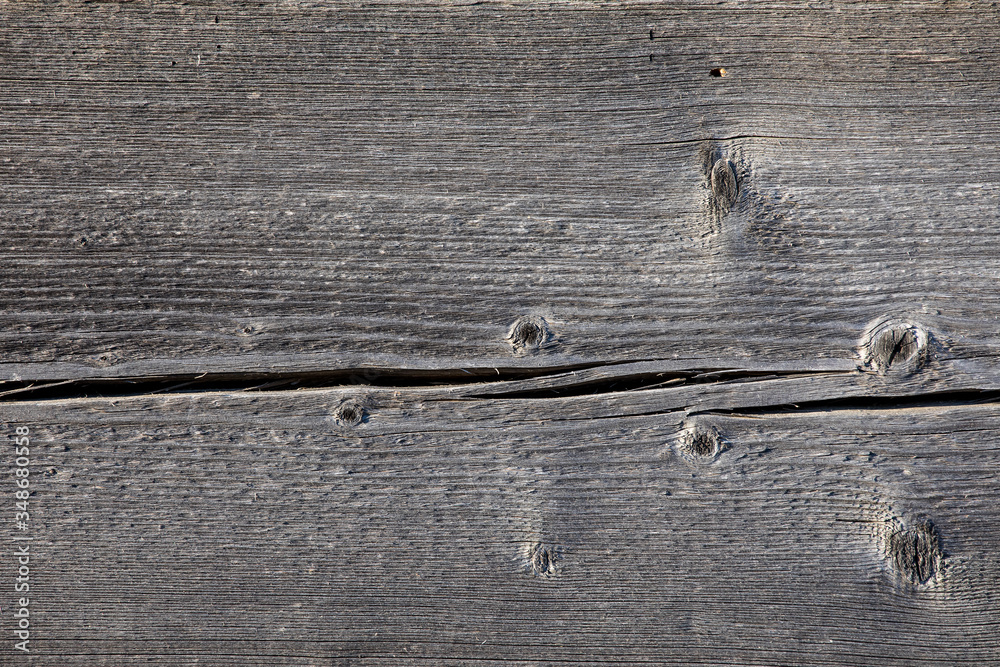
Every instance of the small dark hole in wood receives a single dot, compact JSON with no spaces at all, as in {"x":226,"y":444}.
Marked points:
{"x":718,"y":71}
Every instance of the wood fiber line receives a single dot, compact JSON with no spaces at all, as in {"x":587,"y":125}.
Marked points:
{"x":228,"y":187}
{"x":235,"y":529}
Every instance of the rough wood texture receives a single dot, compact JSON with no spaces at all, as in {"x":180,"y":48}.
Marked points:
{"x":208,"y":187}
{"x":259,"y":529}
{"x":671,"y":330}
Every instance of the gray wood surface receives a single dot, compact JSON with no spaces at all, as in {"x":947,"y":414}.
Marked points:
{"x":208,"y":187}
{"x":419,"y":333}
{"x":259,"y":529}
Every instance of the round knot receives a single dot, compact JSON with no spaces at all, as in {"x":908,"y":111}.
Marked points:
{"x":527,"y":334}
{"x":894,"y":344}
{"x":349,"y":413}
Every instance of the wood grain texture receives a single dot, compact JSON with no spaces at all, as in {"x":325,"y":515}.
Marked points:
{"x":260,"y":529}
{"x":670,"y":331}
{"x":219,"y":187}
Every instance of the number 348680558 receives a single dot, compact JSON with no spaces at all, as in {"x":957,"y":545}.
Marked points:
{"x":21,"y":472}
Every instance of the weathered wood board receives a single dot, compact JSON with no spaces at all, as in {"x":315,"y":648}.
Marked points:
{"x":500,"y":333}
{"x":254,"y":529}
{"x":219,"y":187}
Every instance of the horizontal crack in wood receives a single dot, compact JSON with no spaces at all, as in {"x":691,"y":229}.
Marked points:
{"x":608,"y":378}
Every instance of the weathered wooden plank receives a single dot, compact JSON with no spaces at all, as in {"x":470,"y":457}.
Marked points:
{"x":268,"y":528}
{"x":338,"y":193}
{"x":230,"y":186}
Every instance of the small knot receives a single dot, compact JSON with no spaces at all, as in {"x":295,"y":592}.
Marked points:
{"x":701,"y":443}
{"x":527,"y":334}
{"x":916,"y":552}
{"x":893,"y":344}
{"x":544,"y":559}
{"x":350,"y":413}
{"x":724,"y":185}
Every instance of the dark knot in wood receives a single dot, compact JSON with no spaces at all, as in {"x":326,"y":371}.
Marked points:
{"x":543,"y":559}
{"x":894,"y":344}
{"x":349,"y":413}
{"x":916,"y":552}
{"x":724,"y":186}
{"x":527,"y":334}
